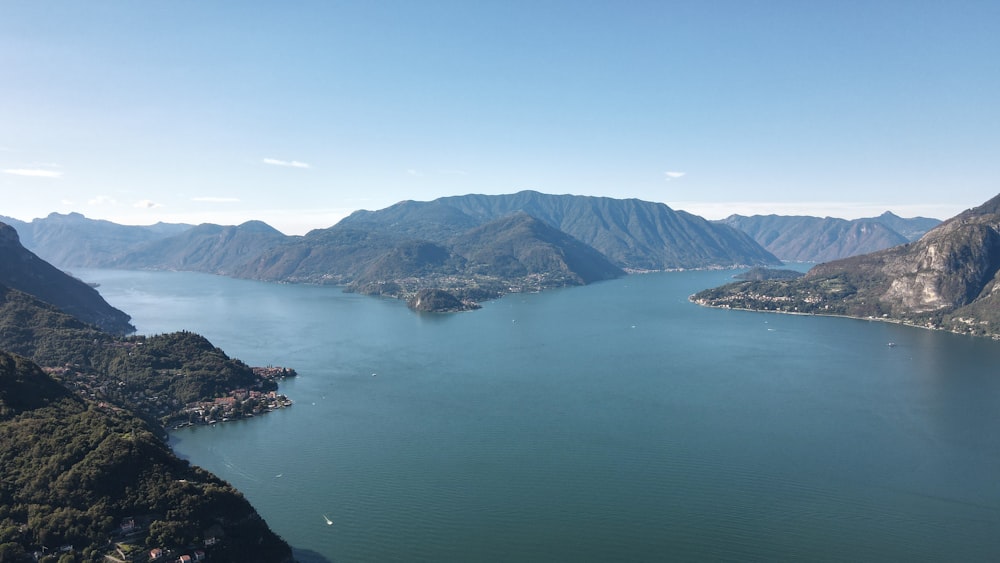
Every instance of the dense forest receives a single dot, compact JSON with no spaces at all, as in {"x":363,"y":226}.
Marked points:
{"x":79,"y":475}
{"x":85,"y":470}
{"x":156,"y":375}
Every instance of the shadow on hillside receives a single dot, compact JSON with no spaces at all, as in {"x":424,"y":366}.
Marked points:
{"x":308,"y":556}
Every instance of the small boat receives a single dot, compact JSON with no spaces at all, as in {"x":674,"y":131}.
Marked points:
{"x":328,"y":521}
{"x":891,"y":344}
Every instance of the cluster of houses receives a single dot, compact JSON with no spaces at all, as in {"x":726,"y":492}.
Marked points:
{"x":158,"y":554}
{"x":130,"y":529}
{"x":241,"y":403}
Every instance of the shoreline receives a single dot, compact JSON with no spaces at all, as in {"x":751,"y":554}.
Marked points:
{"x":702,"y":303}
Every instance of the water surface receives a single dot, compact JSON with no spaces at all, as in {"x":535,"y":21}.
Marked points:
{"x":615,"y":421}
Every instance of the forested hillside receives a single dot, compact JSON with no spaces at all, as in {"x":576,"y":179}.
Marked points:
{"x":631,"y":233}
{"x":84,"y":470}
{"x":23,"y":270}
{"x":79,"y":476}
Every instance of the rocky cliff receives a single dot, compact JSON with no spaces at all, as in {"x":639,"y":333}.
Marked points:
{"x":948,"y":279}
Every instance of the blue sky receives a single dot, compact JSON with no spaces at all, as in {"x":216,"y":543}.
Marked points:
{"x":298,"y":113}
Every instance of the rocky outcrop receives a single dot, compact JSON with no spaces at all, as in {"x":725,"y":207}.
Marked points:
{"x":948,"y":279}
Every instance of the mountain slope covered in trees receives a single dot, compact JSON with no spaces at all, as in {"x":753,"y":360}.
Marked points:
{"x":75,"y":471}
{"x":631,"y":233}
{"x":83,"y":453}
{"x":23,"y":270}
{"x":440,"y":245}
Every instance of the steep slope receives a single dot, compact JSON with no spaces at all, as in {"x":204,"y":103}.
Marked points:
{"x":815,"y":239}
{"x":339,"y":256}
{"x":949,"y":279}
{"x":73,"y":470}
{"x":23,"y":270}
{"x":521,"y":245}
{"x":633,"y":234}
{"x":73,"y":240}
{"x":24,"y":230}
{"x":205,"y":248}
{"x":510,"y":254}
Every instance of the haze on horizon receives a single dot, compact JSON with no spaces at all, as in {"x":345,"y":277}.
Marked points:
{"x":299,"y":114}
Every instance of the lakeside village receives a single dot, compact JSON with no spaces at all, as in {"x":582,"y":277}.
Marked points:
{"x":235,"y":404}
{"x":238,"y":404}
{"x":127,"y":543}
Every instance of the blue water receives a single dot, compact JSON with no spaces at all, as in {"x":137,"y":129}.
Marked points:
{"x":613,"y":422}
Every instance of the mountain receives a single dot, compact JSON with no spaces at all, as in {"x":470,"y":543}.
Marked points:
{"x":205,"y":248}
{"x":77,"y":473}
{"x":471,"y":247}
{"x":912,"y":228}
{"x":483,"y":262}
{"x":632,"y":234}
{"x":73,"y":240}
{"x":83,"y":459}
{"x":815,"y":239}
{"x":23,"y":270}
{"x":949,"y":279}
{"x":154,"y":376}
{"x":520,"y":245}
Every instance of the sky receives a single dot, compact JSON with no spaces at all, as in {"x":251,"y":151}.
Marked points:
{"x":299,"y":113}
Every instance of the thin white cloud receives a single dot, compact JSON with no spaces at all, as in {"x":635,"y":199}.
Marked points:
{"x":671,"y":175}
{"x":211,"y":199}
{"x":147,"y":204}
{"x":34,"y":172}
{"x":413,"y":172}
{"x":288,"y":163}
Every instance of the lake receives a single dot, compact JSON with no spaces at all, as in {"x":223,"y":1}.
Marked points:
{"x":612,"y":422}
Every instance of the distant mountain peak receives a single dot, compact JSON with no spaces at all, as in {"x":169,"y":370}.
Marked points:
{"x":71,"y":215}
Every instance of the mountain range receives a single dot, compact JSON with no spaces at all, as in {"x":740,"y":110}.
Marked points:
{"x":815,"y":239}
{"x":948,"y":279}
{"x":473,"y":247}
{"x":72,"y":240}
{"x":470,"y":247}
{"x":631,"y":233}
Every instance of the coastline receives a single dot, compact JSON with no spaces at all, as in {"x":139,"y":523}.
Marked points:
{"x":703,"y":303}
